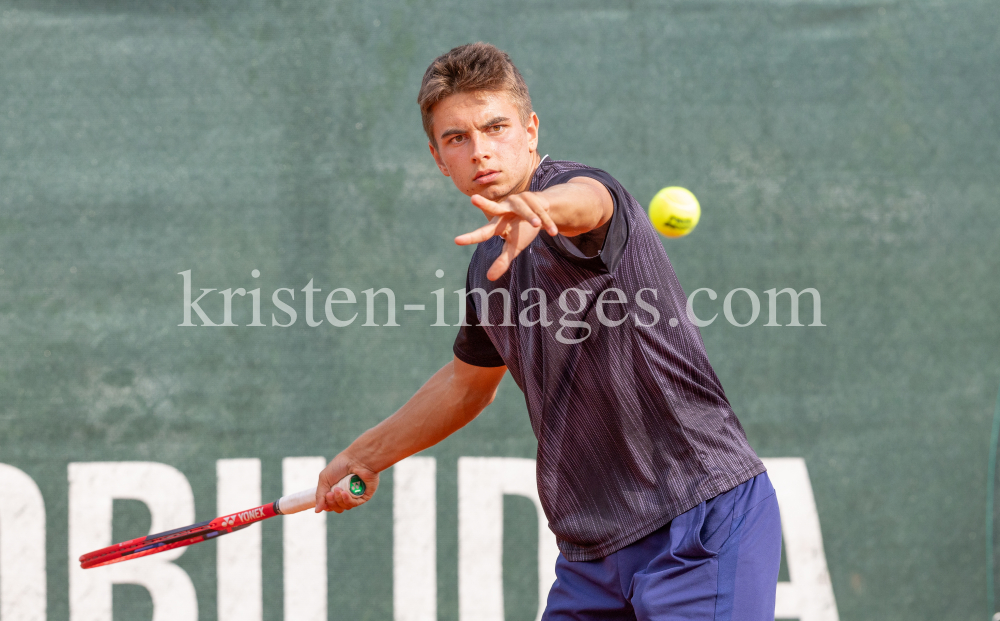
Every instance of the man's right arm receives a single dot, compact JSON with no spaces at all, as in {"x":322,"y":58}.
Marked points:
{"x":449,"y":400}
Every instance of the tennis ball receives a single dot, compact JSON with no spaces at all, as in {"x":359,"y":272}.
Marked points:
{"x":674,"y":211}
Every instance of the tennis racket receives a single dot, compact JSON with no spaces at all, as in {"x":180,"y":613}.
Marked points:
{"x":203,"y":531}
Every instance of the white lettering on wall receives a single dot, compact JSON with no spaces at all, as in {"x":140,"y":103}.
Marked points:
{"x":93,"y":486}
{"x":482,"y":483}
{"x":414,"y":540}
{"x":22,"y":547}
{"x":238,"y":557}
{"x":808,"y":595}
{"x":304,"y":540}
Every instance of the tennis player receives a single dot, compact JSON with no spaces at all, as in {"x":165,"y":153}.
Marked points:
{"x":661,"y":509}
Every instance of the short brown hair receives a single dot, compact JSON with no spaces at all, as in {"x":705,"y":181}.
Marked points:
{"x":467,"y":68}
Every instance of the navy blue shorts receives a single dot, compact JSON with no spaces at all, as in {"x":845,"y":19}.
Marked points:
{"x":719,"y":562}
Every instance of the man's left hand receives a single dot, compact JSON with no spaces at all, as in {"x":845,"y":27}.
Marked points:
{"x":518,"y":219}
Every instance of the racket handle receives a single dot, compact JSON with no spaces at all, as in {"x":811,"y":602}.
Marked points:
{"x":306,"y":499}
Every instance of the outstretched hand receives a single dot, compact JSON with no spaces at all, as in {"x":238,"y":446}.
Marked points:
{"x":518,"y":219}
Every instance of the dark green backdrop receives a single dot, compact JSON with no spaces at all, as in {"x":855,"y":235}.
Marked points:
{"x":847,"y":146}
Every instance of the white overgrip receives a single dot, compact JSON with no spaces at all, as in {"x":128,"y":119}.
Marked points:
{"x":306,"y":499}
{"x":299,"y":501}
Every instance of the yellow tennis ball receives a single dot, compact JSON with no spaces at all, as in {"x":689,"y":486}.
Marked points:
{"x":674,"y":211}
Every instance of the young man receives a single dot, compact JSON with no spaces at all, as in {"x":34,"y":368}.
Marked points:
{"x":660,"y":508}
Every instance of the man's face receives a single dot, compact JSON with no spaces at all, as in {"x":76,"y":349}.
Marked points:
{"x":482,"y":144}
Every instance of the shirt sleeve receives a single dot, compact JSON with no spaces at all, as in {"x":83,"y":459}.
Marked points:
{"x":606,"y":260}
{"x":473,"y":345}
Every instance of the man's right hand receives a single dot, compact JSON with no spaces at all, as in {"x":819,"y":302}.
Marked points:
{"x":330,"y":498}
{"x":453,"y":396}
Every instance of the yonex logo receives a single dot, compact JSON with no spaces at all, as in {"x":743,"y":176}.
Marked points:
{"x":229,"y":521}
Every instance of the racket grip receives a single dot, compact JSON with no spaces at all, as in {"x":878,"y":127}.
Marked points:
{"x":306,"y":499}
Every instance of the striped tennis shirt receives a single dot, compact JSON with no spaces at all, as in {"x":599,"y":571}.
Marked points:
{"x":633,"y":426}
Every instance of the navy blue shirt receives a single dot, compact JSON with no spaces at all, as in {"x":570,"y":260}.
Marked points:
{"x":632,"y":423}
